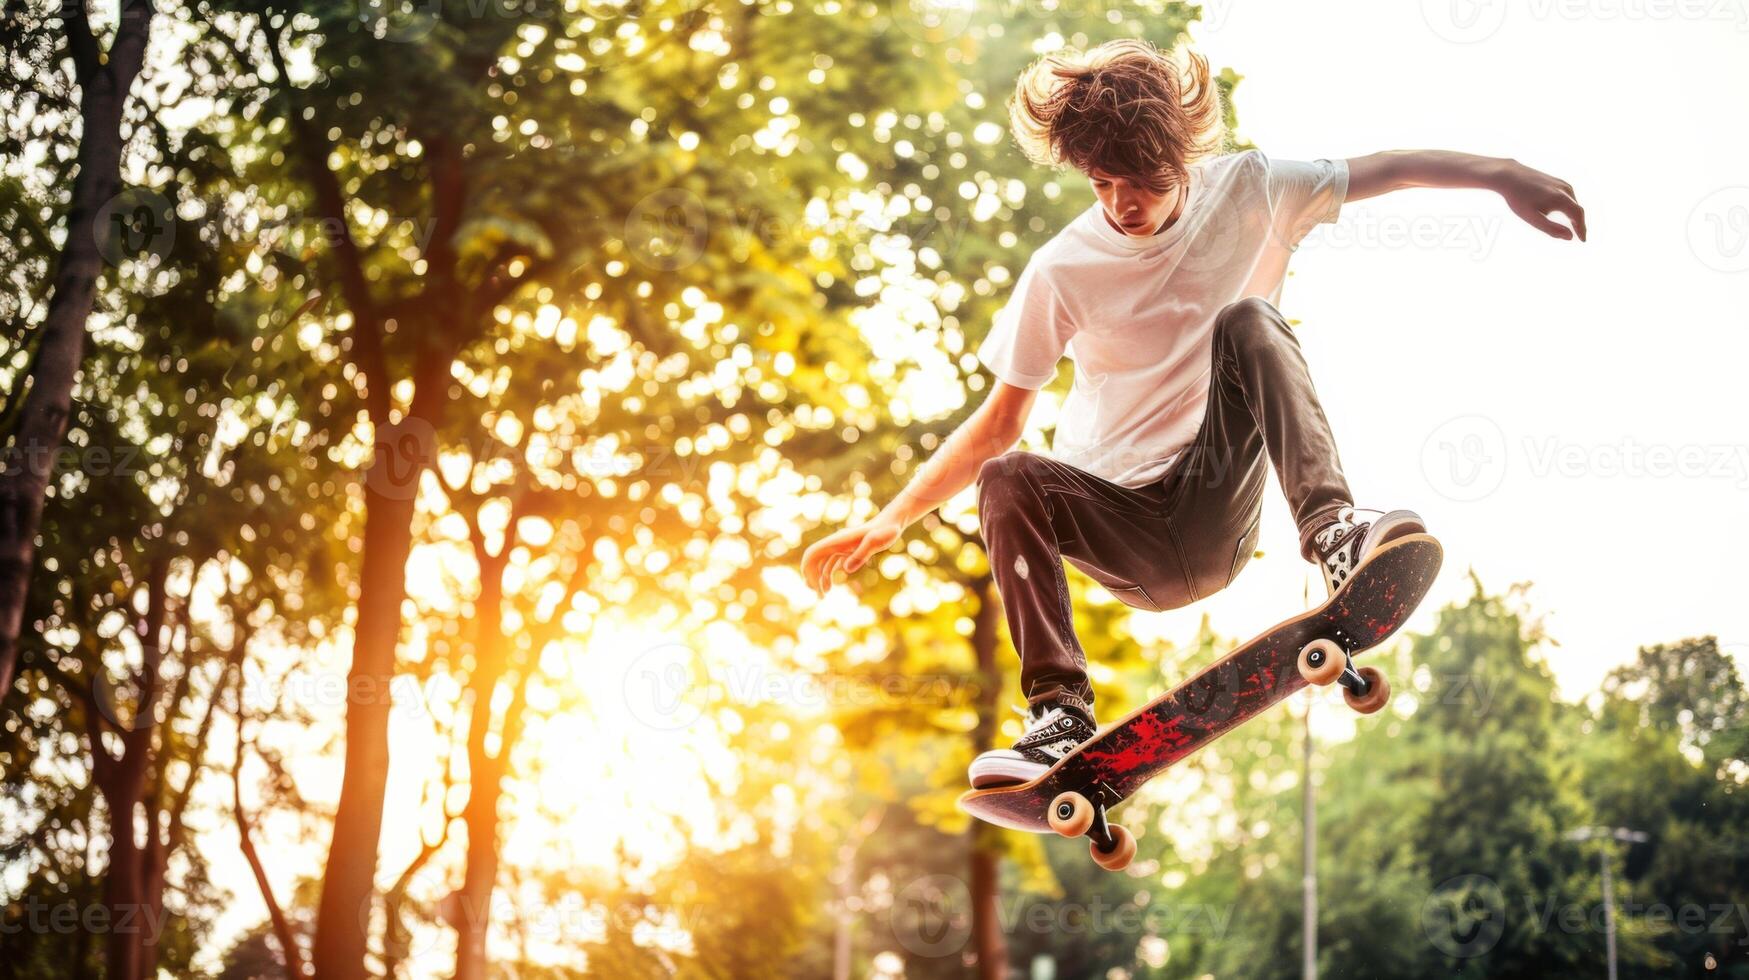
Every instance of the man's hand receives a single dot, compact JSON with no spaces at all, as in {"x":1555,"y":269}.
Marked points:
{"x":1534,"y":195}
{"x":987,"y":433}
{"x":848,"y":549}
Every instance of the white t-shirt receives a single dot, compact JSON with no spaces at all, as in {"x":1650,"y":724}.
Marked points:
{"x":1137,"y":315}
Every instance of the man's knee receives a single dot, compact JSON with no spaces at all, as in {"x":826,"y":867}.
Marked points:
{"x":1000,"y":478}
{"x":1250,"y":320}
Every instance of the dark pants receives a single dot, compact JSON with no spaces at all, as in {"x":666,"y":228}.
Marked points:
{"x":1170,"y":543}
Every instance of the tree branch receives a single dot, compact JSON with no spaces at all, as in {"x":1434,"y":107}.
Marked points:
{"x":68,"y":682}
{"x":397,"y":894}
{"x":313,"y":148}
{"x":282,"y":930}
{"x":233,"y":662}
{"x":449,"y":190}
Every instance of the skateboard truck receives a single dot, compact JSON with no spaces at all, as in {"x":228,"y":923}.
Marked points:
{"x":1324,"y":662}
{"x":1349,"y":678}
{"x":1100,"y":832}
{"x":1074,"y":815}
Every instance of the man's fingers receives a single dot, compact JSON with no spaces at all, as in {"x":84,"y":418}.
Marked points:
{"x":832,"y":567}
{"x":863,"y":550}
{"x":1575,"y":215}
{"x":1566,"y":206}
{"x":827,"y":567}
{"x":1542,"y":223}
{"x":812,"y":564}
{"x":848,"y":550}
{"x":817,"y":559}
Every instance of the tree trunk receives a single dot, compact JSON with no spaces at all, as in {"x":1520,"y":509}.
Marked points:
{"x":104,"y":81}
{"x":472,"y":911}
{"x":348,"y":887}
{"x":121,"y":782}
{"x":154,"y":865}
{"x":122,"y":888}
{"x":121,"y":779}
{"x":987,"y":938}
{"x":473,"y":914}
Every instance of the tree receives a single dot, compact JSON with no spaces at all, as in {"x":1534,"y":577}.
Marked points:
{"x":180,"y":502}
{"x":1660,"y":756}
{"x":40,"y":397}
{"x":445,"y":124}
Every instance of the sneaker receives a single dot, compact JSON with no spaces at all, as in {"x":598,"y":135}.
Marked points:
{"x":1347,"y":541}
{"x":1053,"y":730}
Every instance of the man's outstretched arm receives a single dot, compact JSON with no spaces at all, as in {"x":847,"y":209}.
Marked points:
{"x":988,"y":432}
{"x":1531,"y":194}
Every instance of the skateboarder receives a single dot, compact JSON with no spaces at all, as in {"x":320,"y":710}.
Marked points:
{"x":1188,"y":382}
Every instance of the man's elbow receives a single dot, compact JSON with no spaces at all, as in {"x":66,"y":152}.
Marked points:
{"x":1003,"y":416}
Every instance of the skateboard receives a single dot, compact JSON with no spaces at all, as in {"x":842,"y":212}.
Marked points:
{"x":1315,"y":647}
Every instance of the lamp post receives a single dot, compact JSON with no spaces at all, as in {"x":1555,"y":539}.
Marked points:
{"x":1309,"y":880}
{"x":1309,"y":883}
{"x":1626,"y":836}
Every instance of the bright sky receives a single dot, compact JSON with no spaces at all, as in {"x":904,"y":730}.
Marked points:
{"x":1563,"y":413}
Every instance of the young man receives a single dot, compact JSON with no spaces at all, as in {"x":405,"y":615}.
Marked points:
{"x":1188,"y":382}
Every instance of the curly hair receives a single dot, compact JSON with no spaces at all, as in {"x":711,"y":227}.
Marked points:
{"x":1124,"y":107}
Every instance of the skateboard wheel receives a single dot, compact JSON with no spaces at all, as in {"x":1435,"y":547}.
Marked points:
{"x":1377,"y":693}
{"x":1123,"y":850}
{"x":1321,"y":662}
{"x":1071,"y":814}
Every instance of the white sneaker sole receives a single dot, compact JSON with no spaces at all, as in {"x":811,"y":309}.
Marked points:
{"x":1003,"y":767}
{"x":1389,"y":527}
